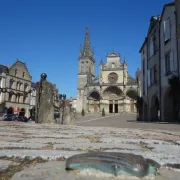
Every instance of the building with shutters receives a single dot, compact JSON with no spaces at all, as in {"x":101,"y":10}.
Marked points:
{"x":150,"y":54}
{"x":15,"y":86}
{"x":159,"y":63}
{"x":169,"y":65}
{"x":177,"y":7}
{"x":114,"y":89}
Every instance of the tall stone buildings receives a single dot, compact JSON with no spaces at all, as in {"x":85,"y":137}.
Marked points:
{"x":168,"y":58}
{"x":177,"y":7}
{"x":17,"y":91}
{"x":15,"y":84}
{"x":150,"y":69}
{"x":159,"y":61}
{"x":114,"y":89}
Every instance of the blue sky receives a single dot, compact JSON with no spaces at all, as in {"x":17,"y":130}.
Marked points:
{"x":46,"y":34}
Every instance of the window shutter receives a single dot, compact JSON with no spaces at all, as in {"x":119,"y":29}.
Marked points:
{"x":151,"y":46}
{"x":171,"y":61}
{"x":166,"y":29}
{"x":163,"y":70}
{"x":152,"y":76}
{"x":149,"y":80}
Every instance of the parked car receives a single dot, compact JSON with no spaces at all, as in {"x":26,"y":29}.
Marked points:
{"x":10,"y":117}
{"x":22,"y":118}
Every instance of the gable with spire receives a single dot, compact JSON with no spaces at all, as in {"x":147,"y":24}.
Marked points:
{"x":86,"y":51}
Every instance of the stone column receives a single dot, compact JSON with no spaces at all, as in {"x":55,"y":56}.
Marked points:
{"x":46,"y":109}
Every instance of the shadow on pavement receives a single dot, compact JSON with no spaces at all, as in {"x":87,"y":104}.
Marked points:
{"x":155,"y":122}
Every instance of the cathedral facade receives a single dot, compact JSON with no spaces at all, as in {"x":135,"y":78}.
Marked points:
{"x":114,"y":89}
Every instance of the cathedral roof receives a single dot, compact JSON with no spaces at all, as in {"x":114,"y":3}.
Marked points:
{"x":113,"y":54}
{"x":131,"y":80}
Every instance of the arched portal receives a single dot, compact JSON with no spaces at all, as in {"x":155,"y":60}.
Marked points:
{"x":112,"y":92}
{"x":112,"y":97}
{"x":94,"y":101}
{"x":22,"y":112}
{"x":154,"y":108}
{"x":132,"y":94}
{"x":168,"y":106}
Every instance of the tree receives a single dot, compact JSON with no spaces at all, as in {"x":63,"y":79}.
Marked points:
{"x":33,"y":113}
{"x":103,"y":112}
{"x":83,"y":112}
{"x":174,"y":83}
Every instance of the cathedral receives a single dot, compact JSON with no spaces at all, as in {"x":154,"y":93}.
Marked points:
{"x":114,"y":89}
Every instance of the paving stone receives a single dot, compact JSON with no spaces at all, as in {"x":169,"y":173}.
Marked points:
{"x":91,"y":146}
{"x":45,"y":154}
{"x":10,"y":139}
{"x":54,"y":140}
{"x":15,"y":145}
{"x":63,"y":141}
{"x":4,"y":164}
{"x":56,"y":170}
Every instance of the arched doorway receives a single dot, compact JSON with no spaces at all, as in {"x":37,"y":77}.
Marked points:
{"x":113,"y":94}
{"x":132,"y":94}
{"x":10,"y":110}
{"x":168,"y":106}
{"x":22,"y":112}
{"x":154,"y":109}
{"x":94,"y":101}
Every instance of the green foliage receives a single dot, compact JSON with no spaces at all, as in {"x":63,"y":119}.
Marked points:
{"x":103,"y":112}
{"x":33,"y":112}
{"x":83,"y":112}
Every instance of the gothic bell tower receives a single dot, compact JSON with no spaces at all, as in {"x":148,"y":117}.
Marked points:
{"x":86,"y":67}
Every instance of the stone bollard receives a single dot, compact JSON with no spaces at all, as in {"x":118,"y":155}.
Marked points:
{"x":67,"y":114}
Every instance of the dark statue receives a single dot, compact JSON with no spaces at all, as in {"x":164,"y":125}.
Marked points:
{"x":114,"y":163}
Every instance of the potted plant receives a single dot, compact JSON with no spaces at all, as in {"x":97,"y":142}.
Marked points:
{"x":83,"y":112}
{"x":103,"y":112}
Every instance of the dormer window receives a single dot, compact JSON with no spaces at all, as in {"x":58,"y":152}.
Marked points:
{"x":23,"y":74}
{"x":15,"y":72}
